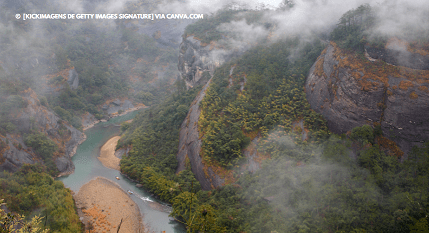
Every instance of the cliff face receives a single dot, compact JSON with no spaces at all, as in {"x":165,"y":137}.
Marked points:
{"x":190,"y":147}
{"x":195,"y":58}
{"x":350,"y":90}
{"x":207,"y":172}
{"x":38,"y":118}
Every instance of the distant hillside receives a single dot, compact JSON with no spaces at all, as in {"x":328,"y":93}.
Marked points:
{"x":79,"y":65}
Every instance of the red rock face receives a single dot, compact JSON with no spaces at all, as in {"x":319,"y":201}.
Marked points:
{"x":349,"y":90}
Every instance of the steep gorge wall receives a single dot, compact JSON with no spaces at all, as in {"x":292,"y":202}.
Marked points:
{"x":195,"y":58}
{"x":351,"y":91}
{"x":190,"y":147}
{"x":36,"y":117}
{"x":209,"y":173}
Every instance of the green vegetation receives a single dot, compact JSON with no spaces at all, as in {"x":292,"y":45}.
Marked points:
{"x":112,"y":60}
{"x":332,"y":190}
{"x":314,"y":181}
{"x":32,"y":192}
{"x":311,"y":181}
{"x":153,"y":135}
{"x":9,"y":105}
{"x":43,"y":147}
{"x":364,"y":134}
{"x":272,"y":97}
{"x":95,"y":57}
{"x":357,"y":28}
{"x":353,"y":28}
{"x":11,"y":222}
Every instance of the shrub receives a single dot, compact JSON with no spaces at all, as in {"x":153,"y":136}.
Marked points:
{"x":363,"y":134}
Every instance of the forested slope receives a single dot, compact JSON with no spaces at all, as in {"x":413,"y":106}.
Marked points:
{"x":32,"y":192}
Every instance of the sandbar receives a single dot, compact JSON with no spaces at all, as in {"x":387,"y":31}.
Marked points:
{"x":107,"y":154}
{"x":102,"y":204}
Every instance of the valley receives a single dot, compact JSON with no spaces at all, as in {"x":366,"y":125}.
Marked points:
{"x":253,"y":118}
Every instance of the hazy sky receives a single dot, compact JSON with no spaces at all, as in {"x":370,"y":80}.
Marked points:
{"x":205,"y":6}
{"x":250,"y":2}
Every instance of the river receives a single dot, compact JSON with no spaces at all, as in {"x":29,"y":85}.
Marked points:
{"x":87,"y":167}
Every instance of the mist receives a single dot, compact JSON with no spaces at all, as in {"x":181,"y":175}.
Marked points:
{"x":304,"y":194}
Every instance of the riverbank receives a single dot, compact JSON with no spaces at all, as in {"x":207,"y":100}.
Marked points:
{"x":107,"y":153}
{"x":103,"y":204}
{"x":73,"y":152}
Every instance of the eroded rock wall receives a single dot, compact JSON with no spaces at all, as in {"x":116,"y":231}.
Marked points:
{"x":351,"y":91}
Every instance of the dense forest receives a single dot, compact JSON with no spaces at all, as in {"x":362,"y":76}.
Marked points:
{"x":32,"y":192}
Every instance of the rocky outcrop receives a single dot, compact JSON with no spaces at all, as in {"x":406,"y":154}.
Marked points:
{"x":36,"y":117}
{"x":122,"y":151}
{"x":400,"y":57}
{"x":351,"y":91}
{"x":251,"y":155}
{"x":196,"y":58}
{"x":12,"y":158}
{"x":73,"y":79}
{"x":190,"y":147}
{"x":89,"y":120}
{"x":117,"y":106}
{"x":397,"y":52}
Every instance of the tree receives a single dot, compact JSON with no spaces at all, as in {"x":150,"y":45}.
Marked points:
{"x":16,"y":224}
{"x":363,"y":134}
{"x":197,"y":218}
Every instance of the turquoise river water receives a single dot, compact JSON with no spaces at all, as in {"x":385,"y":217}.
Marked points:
{"x":87,"y":167}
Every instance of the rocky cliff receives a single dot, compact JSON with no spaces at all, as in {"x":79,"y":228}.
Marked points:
{"x":190,"y":147}
{"x":351,"y":90}
{"x":208,"y":172}
{"x":36,"y":117}
{"x":195,"y":58}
